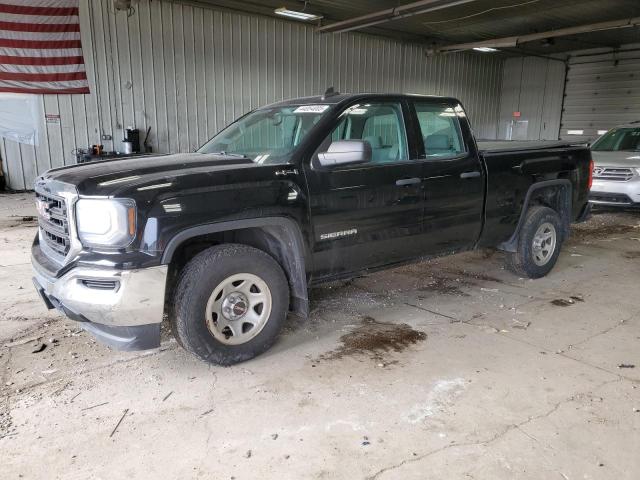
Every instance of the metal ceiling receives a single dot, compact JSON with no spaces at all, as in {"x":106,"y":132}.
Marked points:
{"x":476,"y":20}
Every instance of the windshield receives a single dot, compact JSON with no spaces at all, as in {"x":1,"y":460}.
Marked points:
{"x":618,"y":139}
{"x":268,"y":135}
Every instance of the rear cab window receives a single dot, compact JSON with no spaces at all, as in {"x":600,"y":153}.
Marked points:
{"x":439,"y":130}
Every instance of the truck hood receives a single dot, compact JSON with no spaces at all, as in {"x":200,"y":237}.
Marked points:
{"x":616,"y":159}
{"x":107,"y":178}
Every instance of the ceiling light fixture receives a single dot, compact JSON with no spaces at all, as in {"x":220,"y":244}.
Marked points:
{"x":296,"y":15}
{"x":485,"y":49}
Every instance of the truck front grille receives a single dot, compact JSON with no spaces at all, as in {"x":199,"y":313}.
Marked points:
{"x":617,"y":174}
{"x":54,"y":225}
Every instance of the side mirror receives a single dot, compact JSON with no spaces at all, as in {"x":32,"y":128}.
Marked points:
{"x":345,"y":152}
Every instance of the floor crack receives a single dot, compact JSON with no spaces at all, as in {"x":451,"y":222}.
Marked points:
{"x":493,"y":438}
{"x":431,"y":311}
{"x":606,"y":330}
{"x":564,"y":355}
{"x":163,"y":348}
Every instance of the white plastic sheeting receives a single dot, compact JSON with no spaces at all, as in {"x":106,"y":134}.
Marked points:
{"x":20,"y":117}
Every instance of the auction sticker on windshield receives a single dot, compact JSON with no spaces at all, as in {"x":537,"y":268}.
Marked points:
{"x":311,"y":109}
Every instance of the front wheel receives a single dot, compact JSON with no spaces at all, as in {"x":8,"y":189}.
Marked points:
{"x":230,"y":304}
{"x":538,"y":245}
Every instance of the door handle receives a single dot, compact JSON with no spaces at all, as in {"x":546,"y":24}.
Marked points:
{"x":470,"y":174}
{"x":403,"y":182}
{"x":286,"y":172}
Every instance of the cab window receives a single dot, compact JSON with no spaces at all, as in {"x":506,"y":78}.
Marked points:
{"x":380,"y":124}
{"x":440,"y":130}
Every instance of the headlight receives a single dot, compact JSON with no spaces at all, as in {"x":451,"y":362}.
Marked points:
{"x":106,"y":222}
{"x":638,"y":171}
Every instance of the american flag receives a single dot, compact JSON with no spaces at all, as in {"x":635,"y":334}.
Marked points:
{"x":40,"y":49}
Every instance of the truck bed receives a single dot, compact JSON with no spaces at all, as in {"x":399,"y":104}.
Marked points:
{"x":489,"y":146}
{"x":514,"y":166}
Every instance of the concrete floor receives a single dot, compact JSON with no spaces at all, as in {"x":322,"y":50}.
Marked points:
{"x":515,"y":379}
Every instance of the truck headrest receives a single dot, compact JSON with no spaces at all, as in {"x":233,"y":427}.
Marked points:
{"x":437,"y":142}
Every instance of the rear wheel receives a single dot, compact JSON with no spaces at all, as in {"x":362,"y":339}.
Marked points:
{"x":539,"y":243}
{"x":230,"y":304}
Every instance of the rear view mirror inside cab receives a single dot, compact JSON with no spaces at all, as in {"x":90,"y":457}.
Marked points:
{"x":345,"y":152}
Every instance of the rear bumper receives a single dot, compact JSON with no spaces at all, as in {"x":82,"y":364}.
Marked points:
{"x":122,"y":308}
{"x":615,"y":193}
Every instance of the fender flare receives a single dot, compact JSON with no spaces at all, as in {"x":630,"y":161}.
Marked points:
{"x":287,"y":233}
{"x":565,"y":187}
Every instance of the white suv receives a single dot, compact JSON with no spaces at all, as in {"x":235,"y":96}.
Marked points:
{"x":616,"y":176}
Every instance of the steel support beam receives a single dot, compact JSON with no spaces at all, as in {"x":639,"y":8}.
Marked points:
{"x":390,"y":14}
{"x":514,"y":41}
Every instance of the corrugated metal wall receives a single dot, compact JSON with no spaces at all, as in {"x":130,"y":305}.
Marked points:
{"x":187,"y":71}
{"x":603,"y":90}
{"x":532,"y":86}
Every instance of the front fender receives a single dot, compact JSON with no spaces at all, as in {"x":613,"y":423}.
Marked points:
{"x":289,"y":249}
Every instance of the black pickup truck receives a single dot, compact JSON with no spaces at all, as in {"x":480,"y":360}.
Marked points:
{"x":226,"y":241}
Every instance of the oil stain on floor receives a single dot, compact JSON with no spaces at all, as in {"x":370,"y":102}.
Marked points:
{"x":446,"y":286}
{"x":375,"y":339}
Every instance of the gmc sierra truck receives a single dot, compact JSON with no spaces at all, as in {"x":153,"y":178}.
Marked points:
{"x":225,"y":242}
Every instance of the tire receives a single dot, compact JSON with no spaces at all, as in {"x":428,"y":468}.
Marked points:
{"x":535,"y":258}
{"x":247,"y":313}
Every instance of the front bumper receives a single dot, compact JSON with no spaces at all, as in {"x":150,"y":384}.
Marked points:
{"x":122,"y":308}
{"x":615,"y":193}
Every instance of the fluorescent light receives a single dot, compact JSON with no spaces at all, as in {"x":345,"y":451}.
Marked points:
{"x":485,"y":49}
{"x":575,"y":132}
{"x":602,"y":132}
{"x":305,"y":17}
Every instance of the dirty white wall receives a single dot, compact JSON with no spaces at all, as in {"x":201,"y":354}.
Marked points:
{"x":186,"y":71}
{"x":534,"y":87}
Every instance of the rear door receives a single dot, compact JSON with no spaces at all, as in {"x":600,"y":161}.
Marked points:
{"x":370,"y":214}
{"x":453,"y":176}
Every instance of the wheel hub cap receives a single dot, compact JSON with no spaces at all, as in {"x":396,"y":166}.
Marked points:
{"x":238,"y":308}
{"x":235,"y":306}
{"x":544,"y":244}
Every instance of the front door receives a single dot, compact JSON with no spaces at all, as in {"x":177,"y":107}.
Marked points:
{"x":370,"y":214}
